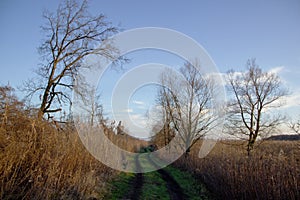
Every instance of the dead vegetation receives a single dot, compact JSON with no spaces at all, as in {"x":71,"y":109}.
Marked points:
{"x":271,"y":172}
{"x":39,"y":161}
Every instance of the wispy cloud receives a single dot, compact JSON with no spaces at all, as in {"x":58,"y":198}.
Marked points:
{"x":141,"y":105}
{"x":292,"y":100}
{"x":127,"y":111}
{"x":276,"y":70}
{"x":138,"y":102}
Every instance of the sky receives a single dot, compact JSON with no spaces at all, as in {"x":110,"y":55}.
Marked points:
{"x":230,"y":31}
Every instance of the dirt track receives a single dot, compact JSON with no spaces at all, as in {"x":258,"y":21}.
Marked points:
{"x":174,"y":189}
{"x":137,"y":183}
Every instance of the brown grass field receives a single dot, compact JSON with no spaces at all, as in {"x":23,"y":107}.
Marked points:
{"x":38,"y":161}
{"x":271,"y":172}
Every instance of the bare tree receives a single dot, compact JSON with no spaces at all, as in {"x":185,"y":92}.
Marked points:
{"x":10,"y":106}
{"x":187,"y":104}
{"x":295,"y":126}
{"x":120,"y":129}
{"x":254,"y":93}
{"x":90,"y":106}
{"x":71,"y":34}
{"x":163,"y":135}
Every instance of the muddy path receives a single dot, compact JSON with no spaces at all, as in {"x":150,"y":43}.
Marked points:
{"x":174,"y":189}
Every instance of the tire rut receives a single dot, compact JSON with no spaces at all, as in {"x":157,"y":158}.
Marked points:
{"x":137,"y":183}
{"x":174,"y":189}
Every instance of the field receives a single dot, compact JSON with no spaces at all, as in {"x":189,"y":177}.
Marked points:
{"x":40,"y":161}
{"x":271,"y":172}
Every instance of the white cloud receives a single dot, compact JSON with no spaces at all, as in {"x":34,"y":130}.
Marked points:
{"x":276,"y":70}
{"x":291,"y":100}
{"x":235,"y":74}
{"x":138,"y":102}
{"x":127,"y":110}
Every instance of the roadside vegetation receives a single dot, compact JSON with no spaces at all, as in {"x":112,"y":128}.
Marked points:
{"x":38,"y":160}
{"x":271,"y":172}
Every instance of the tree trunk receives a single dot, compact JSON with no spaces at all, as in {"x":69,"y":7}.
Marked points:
{"x":43,"y":105}
{"x":251,"y":141}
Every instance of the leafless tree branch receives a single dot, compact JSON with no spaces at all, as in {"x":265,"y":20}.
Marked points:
{"x":254,"y":92}
{"x":71,"y":34}
{"x":187,"y":104}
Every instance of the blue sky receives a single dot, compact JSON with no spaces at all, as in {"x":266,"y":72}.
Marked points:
{"x":230,"y":31}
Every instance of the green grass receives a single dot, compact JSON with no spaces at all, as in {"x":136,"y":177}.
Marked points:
{"x":191,"y":186}
{"x":120,"y":186}
{"x":154,"y":187}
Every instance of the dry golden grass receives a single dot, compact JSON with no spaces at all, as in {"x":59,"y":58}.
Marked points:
{"x":271,"y":172}
{"x":38,"y":161}
{"x":127,"y":142}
